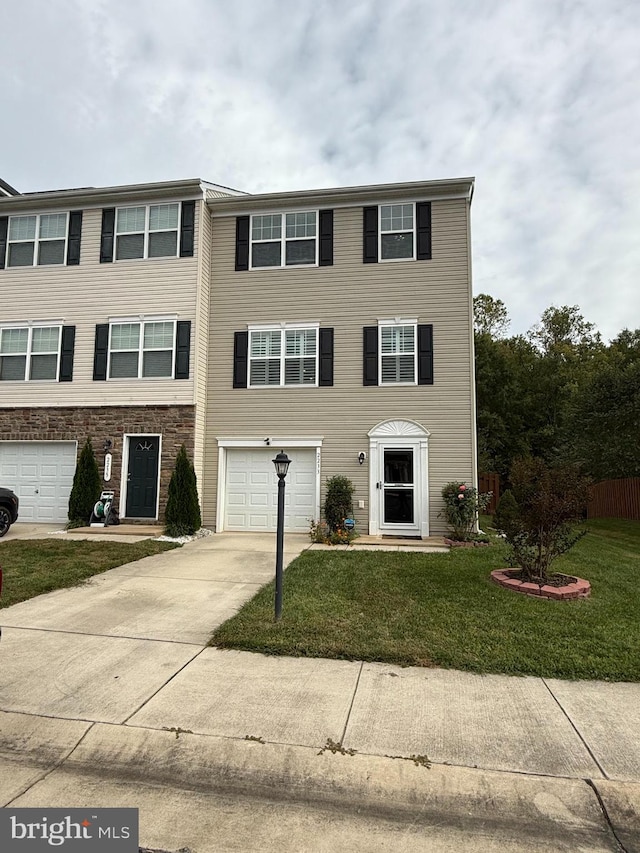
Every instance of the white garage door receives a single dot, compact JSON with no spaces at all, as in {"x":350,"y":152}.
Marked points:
{"x":41,"y":474}
{"x":252,"y":490}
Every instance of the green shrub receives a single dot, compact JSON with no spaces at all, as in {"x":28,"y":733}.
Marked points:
{"x":86,"y":487}
{"x":462,"y":504}
{"x":506,"y":513}
{"x":182,"y":515}
{"x":338,"y":503}
{"x":550,"y":501}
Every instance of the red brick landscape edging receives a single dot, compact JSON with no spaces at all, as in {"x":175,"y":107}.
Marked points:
{"x":579,"y":589}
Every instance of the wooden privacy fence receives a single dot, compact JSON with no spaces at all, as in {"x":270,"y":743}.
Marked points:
{"x":490,"y":482}
{"x":615,"y":499}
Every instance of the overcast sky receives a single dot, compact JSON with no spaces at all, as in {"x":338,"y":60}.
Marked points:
{"x":538,"y":99}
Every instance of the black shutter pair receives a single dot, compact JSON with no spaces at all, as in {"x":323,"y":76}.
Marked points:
{"x":187,"y":232}
{"x":370,"y":233}
{"x":370,"y":355}
{"x":183,"y":343}
{"x":73,"y":241}
{"x":325,"y":236}
{"x":241,"y":358}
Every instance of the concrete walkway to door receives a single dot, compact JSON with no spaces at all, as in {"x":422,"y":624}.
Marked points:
{"x":109,"y":696}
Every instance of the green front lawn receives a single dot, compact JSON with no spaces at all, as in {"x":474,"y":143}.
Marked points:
{"x":33,"y":566}
{"x":443,"y":610}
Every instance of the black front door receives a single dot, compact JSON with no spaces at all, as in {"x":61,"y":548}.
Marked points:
{"x":142,"y":476}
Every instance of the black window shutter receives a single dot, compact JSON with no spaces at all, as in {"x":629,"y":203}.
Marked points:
{"x":370,"y":235}
{"x":325,"y":348}
{"x":242,"y":244}
{"x":66,"y":354}
{"x":326,"y":238}
{"x":423,"y":217}
{"x":370,"y":355}
{"x":75,"y":234}
{"x":108,"y":233}
{"x":240,"y":359}
{"x":101,"y":352}
{"x":4,"y":225}
{"x":183,"y":345}
{"x":425,"y":355}
{"x":187,"y":229}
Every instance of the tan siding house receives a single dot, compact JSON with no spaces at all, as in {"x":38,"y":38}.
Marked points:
{"x":103,"y":333}
{"x":399,"y":421}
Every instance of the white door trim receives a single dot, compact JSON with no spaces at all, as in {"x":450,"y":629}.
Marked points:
{"x":277,"y":443}
{"x":395,"y":434}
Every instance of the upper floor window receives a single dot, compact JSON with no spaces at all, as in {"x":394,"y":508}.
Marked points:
{"x":31,"y":353}
{"x":148,"y":231}
{"x":144,"y":349}
{"x":284,"y":239}
{"x":397,"y":241}
{"x":397,"y":353}
{"x":283,"y":356}
{"x":37,"y":240}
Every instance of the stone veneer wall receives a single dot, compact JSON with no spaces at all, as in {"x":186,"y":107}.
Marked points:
{"x":175,"y":424}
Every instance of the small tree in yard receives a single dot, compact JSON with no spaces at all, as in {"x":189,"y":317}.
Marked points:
{"x":182,"y":515}
{"x":338,"y":503}
{"x":550,"y":501}
{"x":462,"y":504}
{"x":86,"y":487}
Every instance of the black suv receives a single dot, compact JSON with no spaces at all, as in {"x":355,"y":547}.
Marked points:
{"x":8,"y":509}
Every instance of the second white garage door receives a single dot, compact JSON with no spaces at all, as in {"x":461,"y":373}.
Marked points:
{"x":251,"y":501}
{"x":41,"y":474}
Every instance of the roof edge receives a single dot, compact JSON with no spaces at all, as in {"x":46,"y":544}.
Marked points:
{"x":337,"y":195}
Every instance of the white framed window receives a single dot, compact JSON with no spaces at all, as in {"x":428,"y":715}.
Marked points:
{"x":147,"y":231}
{"x":142,"y":350}
{"x":284,"y":239}
{"x":397,"y":352}
{"x":37,"y":240}
{"x":30,"y":353}
{"x":283,"y":356}
{"x":397,"y":232}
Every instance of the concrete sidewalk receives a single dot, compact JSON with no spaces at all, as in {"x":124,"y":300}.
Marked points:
{"x":109,"y":696}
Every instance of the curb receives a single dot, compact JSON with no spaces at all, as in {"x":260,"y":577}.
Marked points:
{"x":560,"y":809}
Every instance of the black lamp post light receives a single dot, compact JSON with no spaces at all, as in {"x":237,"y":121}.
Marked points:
{"x":282,"y":463}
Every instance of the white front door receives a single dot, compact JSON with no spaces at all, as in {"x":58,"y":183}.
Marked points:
{"x":398,"y":489}
{"x":399,"y":479}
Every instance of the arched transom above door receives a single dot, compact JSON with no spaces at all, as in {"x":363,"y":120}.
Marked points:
{"x":398,"y":428}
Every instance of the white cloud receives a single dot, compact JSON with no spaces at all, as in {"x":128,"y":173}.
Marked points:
{"x":540,"y":101}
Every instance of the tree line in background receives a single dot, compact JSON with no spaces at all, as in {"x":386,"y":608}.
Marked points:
{"x":558,"y":393}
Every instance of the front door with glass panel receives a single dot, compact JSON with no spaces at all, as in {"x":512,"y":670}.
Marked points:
{"x":397,"y":488}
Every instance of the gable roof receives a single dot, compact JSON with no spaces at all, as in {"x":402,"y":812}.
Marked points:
{"x":7,"y":189}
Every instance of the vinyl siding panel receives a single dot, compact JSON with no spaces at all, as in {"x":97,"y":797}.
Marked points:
{"x":348,"y":296}
{"x":88,"y":294}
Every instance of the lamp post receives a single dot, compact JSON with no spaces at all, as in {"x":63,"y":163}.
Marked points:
{"x":282,"y":463}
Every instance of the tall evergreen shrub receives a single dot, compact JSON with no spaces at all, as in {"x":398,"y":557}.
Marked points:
{"x":85,"y":491}
{"x":338,"y":503}
{"x":182,"y":516}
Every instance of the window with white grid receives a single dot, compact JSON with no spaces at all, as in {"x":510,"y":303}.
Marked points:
{"x":283,"y":357}
{"x":397,"y":354}
{"x":142,"y":350}
{"x":147,"y":231}
{"x":397,"y":232}
{"x":29,"y":354}
{"x":37,"y":240}
{"x":284,"y":239}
